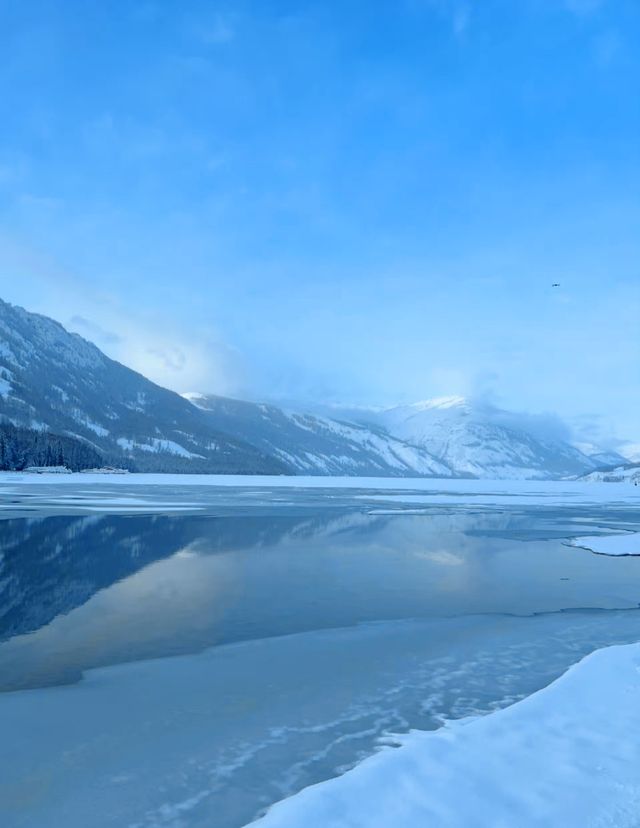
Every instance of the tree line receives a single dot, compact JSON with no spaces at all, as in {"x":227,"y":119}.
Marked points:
{"x":24,"y":447}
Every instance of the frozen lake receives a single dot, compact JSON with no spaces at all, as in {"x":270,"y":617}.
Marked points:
{"x":179,"y":653}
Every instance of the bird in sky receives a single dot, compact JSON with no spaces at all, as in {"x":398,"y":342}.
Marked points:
{"x":556,"y":284}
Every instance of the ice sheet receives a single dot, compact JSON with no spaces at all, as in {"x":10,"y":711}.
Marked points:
{"x":625,"y":543}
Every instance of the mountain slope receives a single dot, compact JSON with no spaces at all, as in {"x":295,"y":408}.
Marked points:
{"x":52,"y":379}
{"x":602,"y":458}
{"x":21,"y":448}
{"x":309,"y":444}
{"x":477,"y":440}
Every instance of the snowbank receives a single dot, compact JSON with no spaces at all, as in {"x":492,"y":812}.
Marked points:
{"x":566,"y":756}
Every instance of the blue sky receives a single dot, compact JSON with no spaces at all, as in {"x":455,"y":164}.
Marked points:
{"x":363,"y":202}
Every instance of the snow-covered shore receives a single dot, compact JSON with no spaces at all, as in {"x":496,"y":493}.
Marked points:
{"x":566,"y":756}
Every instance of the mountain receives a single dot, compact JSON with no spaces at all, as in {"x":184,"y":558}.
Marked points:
{"x":54,"y":380}
{"x":604,"y":458}
{"x":310,"y":444}
{"x":479,"y":440}
{"x":630,"y":452}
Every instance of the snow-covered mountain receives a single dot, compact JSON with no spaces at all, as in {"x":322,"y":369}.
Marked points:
{"x":483,"y":441}
{"x":52,"y":379}
{"x":604,"y":458}
{"x":310,"y":444}
{"x":55,"y":380}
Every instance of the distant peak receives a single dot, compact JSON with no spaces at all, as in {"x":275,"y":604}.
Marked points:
{"x":440,"y":402}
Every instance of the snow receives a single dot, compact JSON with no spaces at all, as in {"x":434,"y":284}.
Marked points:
{"x":566,"y":756}
{"x":629,"y":474}
{"x":62,"y":392}
{"x":5,"y":387}
{"x":38,"y":425}
{"x":482,"y":441}
{"x":627,"y":543}
{"x":440,"y":403}
{"x":7,"y":353}
{"x":82,"y":418}
{"x":340,"y":446}
{"x":172,"y":448}
{"x":157,"y":445}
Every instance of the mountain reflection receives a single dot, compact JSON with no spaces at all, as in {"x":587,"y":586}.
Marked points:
{"x":89,"y":591}
{"x":51,"y":565}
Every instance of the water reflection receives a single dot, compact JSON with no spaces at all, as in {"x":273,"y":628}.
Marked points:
{"x":79,"y":592}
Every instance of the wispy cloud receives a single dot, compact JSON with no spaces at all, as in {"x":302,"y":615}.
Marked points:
{"x":457,"y":12}
{"x":461,"y":19}
{"x":215,"y":32}
{"x":98,"y":334}
{"x":161,"y":349}
{"x":607,"y":47}
{"x":180,"y":360}
{"x":39,"y":202}
{"x":583,"y":7}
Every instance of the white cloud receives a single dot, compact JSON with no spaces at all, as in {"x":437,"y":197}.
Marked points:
{"x":168,"y":355}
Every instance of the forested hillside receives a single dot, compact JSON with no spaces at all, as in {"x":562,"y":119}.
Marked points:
{"x":24,"y":447}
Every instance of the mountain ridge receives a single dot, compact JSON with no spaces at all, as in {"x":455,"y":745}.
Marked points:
{"x":313,"y":444}
{"x":477,"y":439}
{"x":56,"y":381}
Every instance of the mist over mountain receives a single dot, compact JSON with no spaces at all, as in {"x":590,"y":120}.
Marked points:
{"x":476,"y":438}
{"x":56,"y":382}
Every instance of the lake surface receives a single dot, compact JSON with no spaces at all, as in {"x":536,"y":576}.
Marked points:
{"x":185,"y":655}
